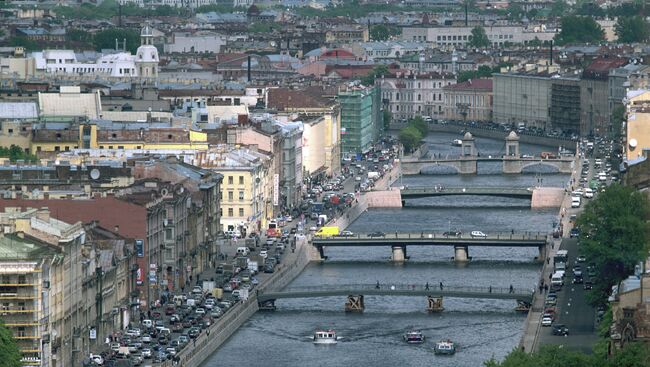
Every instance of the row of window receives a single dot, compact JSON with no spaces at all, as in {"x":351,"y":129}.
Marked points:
{"x":231,"y":179}
{"x":231,"y":195}
{"x":67,"y":147}
{"x":409,"y":96}
{"x":231,"y":212}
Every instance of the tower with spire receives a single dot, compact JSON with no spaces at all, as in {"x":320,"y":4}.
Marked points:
{"x":146,"y":58}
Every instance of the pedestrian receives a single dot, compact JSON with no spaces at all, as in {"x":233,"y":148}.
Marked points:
{"x":441,"y":286}
{"x":490,"y":289}
{"x":545,"y":287}
{"x":512,"y":290}
{"x":426,"y":286}
{"x":548,"y":260}
{"x":377,"y":286}
{"x":512,"y":231}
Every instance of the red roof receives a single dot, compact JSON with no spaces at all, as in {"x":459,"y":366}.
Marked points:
{"x":484,"y":85}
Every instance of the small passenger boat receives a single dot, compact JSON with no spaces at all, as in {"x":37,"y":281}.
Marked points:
{"x":325,"y":337}
{"x":457,"y":143}
{"x":414,"y":337}
{"x":446,"y":347}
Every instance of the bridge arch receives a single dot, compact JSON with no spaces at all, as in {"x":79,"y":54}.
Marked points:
{"x":555,"y":167}
{"x":430,"y":168}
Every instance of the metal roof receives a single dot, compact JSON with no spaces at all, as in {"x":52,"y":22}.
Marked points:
{"x":17,"y":110}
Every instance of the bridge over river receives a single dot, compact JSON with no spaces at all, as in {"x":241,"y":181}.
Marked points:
{"x":434,"y":292}
{"x":428,"y":191}
{"x":399,"y":241}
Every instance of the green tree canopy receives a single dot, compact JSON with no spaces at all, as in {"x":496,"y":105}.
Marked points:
{"x":559,"y":8}
{"x":15,"y":153}
{"x":375,"y":73}
{"x":106,"y":39}
{"x":410,"y":137}
{"x":388,"y":117}
{"x":479,"y":39}
{"x":632,"y":29}
{"x":614,"y":237}
{"x":483,"y":71}
{"x":577,"y":29}
{"x":9,"y":352}
{"x":383,"y":32}
{"x":25,"y":42}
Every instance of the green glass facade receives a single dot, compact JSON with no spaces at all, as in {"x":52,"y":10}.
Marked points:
{"x":361,"y":119}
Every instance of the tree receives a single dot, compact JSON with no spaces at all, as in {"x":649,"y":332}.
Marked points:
{"x":15,"y":153}
{"x":106,"y":39}
{"x":618,"y":115}
{"x":419,"y":123}
{"x":558,"y":9}
{"x":479,"y":39}
{"x":631,"y":29}
{"x":577,"y":29}
{"x":25,"y":42}
{"x":614,"y":237}
{"x":9,"y":352}
{"x":483,"y":71}
{"x":375,"y":73}
{"x":79,"y":35}
{"x":410,"y":138}
{"x":589,"y":9}
{"x":379,"y":33}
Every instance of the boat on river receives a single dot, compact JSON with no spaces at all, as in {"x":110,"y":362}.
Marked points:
{"x":457,"y":143}
{"x":325,"y":337}
{"x":414,"y":337}
{"x":445,"y":347}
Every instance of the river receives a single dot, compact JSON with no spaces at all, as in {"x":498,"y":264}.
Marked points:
{"x":481,"y":328}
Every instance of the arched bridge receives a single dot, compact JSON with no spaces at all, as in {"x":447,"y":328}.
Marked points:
{"x":509,"y":192}
{"x":433,"y":292}
{"x":468,"y":164}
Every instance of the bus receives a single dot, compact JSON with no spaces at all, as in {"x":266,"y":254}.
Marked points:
{"x":273,"y":230}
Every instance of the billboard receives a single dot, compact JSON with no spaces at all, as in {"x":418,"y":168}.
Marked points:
{"x":139,"y":277}
{"x":276,"y":189}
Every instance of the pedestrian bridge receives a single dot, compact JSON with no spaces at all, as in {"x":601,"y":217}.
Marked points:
{"x":433,"y":292}
{"x":399,"y":241}
{"x":428,"y":191}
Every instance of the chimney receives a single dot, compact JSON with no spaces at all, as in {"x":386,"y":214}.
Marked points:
{"x":43,"y":214}
{"x":249,"y":68}
{"x":116,"y":229}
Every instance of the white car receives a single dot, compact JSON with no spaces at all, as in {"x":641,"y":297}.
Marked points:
{"x":547,"y":321}
{"x":200,"y":311}
{"x":264,"y":254}
{"x":146,"y":353}
{"x":97,"y":359}
{"x":478,"y":234}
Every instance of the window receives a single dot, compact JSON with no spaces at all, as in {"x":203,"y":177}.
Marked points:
{"x":230,"y":212}
{"x":229,"y":180}
{"x":230,"y":196}
{"x":241,"y":212}
{"x":241,"y":196}
{"x":241,"y":180}
{"x":57,"y":148}
{"x":169,"y":234}
{"x":11,"y":131}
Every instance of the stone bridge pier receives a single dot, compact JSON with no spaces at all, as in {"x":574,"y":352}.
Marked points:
{"x":399,"y":254}
{"x":461,"y":253}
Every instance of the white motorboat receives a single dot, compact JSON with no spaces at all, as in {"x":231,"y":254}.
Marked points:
{"x":457,"y":143}
{"x":325,"y":337}
{"x":414,"y":337}
{"x":445,"y":347}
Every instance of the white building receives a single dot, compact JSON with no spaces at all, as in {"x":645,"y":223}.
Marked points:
{"x":414,"y":94}
{"x":460,"y":36}
{"x":119,"y":64}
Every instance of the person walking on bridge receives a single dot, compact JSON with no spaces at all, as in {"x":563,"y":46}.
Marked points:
{"x":512,"y":290}
{"x":377,"y":286}
{"x":490,"y":289}
{"x":441,"y":286}
{"x":426,"y":286}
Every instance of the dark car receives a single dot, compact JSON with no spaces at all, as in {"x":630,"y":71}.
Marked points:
{"x":376,"y":234}
{"x":455,"y":233}
{"x":560,"y":329}
{"x":588,"y":285}
{"x":575,"y":232}
{"x":577,"y":280}
{"x":194,"y":332}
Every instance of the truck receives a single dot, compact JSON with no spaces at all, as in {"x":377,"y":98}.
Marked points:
{"x":217,"y":293}
{"x":242,"y":262}
{"x":327,"y":231}
{"x":253,"y":266}
{"x":208,"y":286}
{"x":373,"y":175}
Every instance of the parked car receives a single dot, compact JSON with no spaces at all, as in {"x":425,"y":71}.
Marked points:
{"x":588,"y":285}
{"x":547,"y":320}
{"x":454,"y":233}
{"x":376,"y":234}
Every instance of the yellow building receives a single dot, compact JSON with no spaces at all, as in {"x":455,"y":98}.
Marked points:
{"x":246,"y":189}
{"x":93,"y":136}
{"x":637,"y":129}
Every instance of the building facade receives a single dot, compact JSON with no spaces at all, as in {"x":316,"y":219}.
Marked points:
{"x":565,"y":105}
{"x":361,"y":118}
{"x":469,"y":101}
{"x":522,"y":98}
{"x":415,"y":94}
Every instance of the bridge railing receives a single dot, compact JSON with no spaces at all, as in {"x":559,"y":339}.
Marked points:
{"x":433,"y":235}
{"x":434,"y":287}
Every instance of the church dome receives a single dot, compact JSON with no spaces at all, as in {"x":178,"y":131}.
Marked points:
{"x":146,"y":31}
{"x":147,"y":53}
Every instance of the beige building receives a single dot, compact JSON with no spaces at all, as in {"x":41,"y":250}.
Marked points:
{"x":248,"y":189}
{"x":469,"y":101}
{"x":630,"y":312}
{"x":415,"y":94}
{"x":459,"y":36}
{"x":637,"y":128}
{"x":19,"y":67}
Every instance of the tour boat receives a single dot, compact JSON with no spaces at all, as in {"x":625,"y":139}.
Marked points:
{"x":445,"y":347}
{"x":325,"y":337}
{"x":457,"y":142}
{"x":414,"y":337}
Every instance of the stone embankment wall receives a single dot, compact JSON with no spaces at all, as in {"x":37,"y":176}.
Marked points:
{"x":547,"y":197}
{"x":384,"y":199}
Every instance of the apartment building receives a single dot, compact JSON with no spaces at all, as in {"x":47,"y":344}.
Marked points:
{"x":469,"y":101}
{"x":522,"y":98}
{"x":407,"y":95}
{"x":460,"y":36}
{"x":361,"y":118}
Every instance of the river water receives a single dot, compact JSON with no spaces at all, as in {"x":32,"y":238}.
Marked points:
{"x":481,"y":328}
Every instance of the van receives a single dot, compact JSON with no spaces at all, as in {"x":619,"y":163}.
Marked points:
{"x":231,"y":234}
{"x":575,"y":202}
{"x":242,"y":251}
{"x":557,"y":281}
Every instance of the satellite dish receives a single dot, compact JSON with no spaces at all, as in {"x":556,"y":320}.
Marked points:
{"x":94,"y":174}
{"x":633,"y":143}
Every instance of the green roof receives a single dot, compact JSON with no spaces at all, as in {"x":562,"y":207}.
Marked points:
{"x":13,"y":247}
